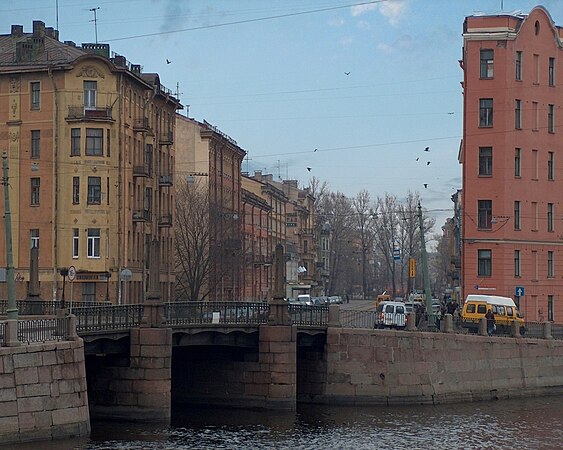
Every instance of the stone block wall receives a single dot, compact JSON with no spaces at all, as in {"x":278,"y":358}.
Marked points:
{"x":386,"y":367}
{"x":43,"y":392}
{"x":137,"y":388}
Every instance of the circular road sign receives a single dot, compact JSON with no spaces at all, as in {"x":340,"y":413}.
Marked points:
{"x":126,"y":275}
{"x":72,"y":273}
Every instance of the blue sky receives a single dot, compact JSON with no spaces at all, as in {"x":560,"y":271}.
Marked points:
{"x":369,"y":86}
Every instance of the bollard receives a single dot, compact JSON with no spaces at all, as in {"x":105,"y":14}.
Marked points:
{"x":11,"y":333}
{"x":334,"y":316}
{"x":448,"y":323}
{"x":411,"y":321}
{"x":547,"y":331}
{"x":515,"y":329}
{"x":483,"y":327}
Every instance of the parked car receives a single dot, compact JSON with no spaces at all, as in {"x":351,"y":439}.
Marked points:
{"x":335,"y":299}
{"x":390,"y":315}
{"x":304,"y":299}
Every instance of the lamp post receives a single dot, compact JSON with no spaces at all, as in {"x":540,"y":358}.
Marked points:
{"x":64,"y":272}
{"x":12,"y":310}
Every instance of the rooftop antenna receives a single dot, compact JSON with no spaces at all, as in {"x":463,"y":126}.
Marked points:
{"x":57,"y":12}
{"x":95,"y":21}
{"x":501,"y":5}
{"x":279,"y":170}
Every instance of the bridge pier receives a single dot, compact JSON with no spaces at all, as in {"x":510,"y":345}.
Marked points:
{"x":141,"y":391}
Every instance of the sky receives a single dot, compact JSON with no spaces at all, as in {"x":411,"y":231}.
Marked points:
{"x":349,"y":92}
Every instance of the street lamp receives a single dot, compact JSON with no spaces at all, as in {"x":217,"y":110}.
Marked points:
{"x":64,"y":272}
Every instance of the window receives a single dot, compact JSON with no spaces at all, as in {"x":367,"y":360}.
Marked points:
{"x":519,"y":66}
{"x":75,"y":190}
{"x":517,"y":215}
{"x":550,"y":161}
{"x":34,"y":233}
{"x":471,"y":308}
{"x":484,"y":263}
{"x":550,"y":270}
{"x":550,"y":308}
{"x":536,"y":116}
{"x":550,"y":217}
{"x":535,"y":216}
{"x":536,"y":167}
{"x":107,"y":191}
{"x":35,"y":190}
{"x":485,"y":214}
{"x":537,"y":69}
{"x":486,"y":112}
{"x":75,"y":142}
{"x":88,"y":292}
{"x":518,"y":114}
{"x":485,"y":161}
{"x":75,"y":242}
{"x":487,"y":61}
{"x":509,"y":311}
{"x":108,"y":143}
{"x":552,"y":71}
{"x":550,"y":121}
{"x":517,"y":162}
{"x":93,"y":242}
{"x":90,"y":88}
{"x":35,"y":88}
{"x":481,"y":309}
{"x":94,"y":142}
{"x":305,"y":246}
{"x":517,"y":263}
{"x":148,"y":157}
{"x":94,"y":190}
{"x":35,"y":143}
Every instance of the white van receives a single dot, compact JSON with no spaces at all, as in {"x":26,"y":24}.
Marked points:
{"x":304,"y":299}
{"x":390,"y":315}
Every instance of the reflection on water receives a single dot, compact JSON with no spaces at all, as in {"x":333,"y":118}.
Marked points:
{"x":523,"y":424}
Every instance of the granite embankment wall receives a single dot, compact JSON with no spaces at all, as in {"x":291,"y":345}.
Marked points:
{"x":394,"y":367}
{"x":43,"y":392}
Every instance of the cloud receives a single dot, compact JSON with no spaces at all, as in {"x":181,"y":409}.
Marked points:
{"x":404,"y":42}
{"x":336,"y":22}
{"x":175,"y":9}
{"x":393,"y":11}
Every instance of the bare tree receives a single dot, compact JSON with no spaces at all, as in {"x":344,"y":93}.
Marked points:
{"x":363,"y":223}
{"x":192,"y":232}
{"x":387,"y":225}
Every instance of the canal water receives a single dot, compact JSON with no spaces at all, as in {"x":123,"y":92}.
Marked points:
{"x":507,"y":424}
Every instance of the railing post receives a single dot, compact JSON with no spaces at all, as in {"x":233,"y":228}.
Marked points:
{"x":448,"y":323}
{"x":334,"y":316}
{"x":547,"y":330}
{"x":515,"y":329}
{"x":11,"y":333}
{"x":483,"y":327}
{"x":72,"y":335}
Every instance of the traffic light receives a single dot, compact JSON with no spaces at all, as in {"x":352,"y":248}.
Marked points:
{"x":412,"y":268}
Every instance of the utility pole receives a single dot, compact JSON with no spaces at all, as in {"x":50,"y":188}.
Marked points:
{"x":425,"y":275}
{"x":94,"y":10}
{"x":12,"y":308}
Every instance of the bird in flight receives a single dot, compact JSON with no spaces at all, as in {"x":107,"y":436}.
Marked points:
{"x":427,"y":149}
{"x":417,"y":158}
{"x":309,"y":169}
{"x":315,"y":150}
{"x":450,"y":113}
{"x":168,"y":61}
{"x":427,"y":163}
{"x":346,"y":73}
{"x":425,"y":185}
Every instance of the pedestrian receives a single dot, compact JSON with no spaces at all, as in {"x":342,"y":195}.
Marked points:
{"x":490,"y":322}
{"x":347,"y":298}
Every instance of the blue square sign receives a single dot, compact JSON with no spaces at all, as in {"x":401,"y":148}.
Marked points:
{"x":519,"y":291}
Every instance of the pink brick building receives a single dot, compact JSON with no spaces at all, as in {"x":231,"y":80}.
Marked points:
{"x":512,"y":156}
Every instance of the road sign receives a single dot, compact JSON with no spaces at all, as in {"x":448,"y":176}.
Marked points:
{"x":412,"y":268}
{"x":519,"y":291}
{"x":396,"y":254}
{"x":71,"y":273}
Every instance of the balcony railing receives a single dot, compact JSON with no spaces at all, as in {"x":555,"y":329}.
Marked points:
{"x":165,"y":180}
{"x":141,"y":124}
{"x":166,"y":138}
{"x":141,"y":170}
{"x":98,"y":113}
{"x":141,"y":215}
{"x":165,"y":220}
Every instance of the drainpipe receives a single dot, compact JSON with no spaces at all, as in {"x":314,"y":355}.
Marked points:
{"x":56,"y":183}
{"x":120,"y":187}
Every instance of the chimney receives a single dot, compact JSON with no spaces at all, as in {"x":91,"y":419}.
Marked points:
{"x":38,"y":28}
{"x":120,"y":61}
{"x":17,"y":30}
{"x":52,"y":33}
{"x":70,"y":43}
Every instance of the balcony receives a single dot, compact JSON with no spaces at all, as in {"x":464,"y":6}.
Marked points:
{"x":166,"y":138}
{"x":141,"y":215}
{"x":165,"y":220}
{"x":141,"y":124}
{"x":79,"y":113}
{"x":165,"y":180}
{"x":141,"y":170}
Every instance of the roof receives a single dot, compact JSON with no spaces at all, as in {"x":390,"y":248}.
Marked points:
{"x":491,"y":299}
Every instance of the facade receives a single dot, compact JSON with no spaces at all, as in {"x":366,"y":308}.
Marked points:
{"x":90,"y":142}
{"x":206,"y":153}
{"x":512,"y":160}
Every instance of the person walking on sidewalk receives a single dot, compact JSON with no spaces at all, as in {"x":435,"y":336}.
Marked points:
{"x":490,"y":322}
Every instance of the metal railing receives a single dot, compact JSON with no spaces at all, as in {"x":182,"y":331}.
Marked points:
{"x":102,"y":318}
{"x":2,"y":332}
{"x":306,"y":315}
{"x":43,"y":330}
{"x":198,"y":313}
{"x":30,"y":307}
{"x":357,"y":319}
